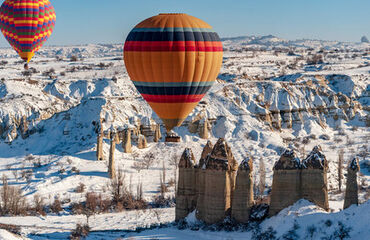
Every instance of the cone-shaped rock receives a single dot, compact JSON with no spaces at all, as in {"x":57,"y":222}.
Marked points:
{"x":206,"y":150}
{"x":203,"y":131}
{"x":99,"y":146}
{"x":186,"y":189}
{"x":157,"y":134}
{"x":126,"y":143}
{"x":111,"y":165}
{"x":286,"y":182}
{"x":221,"y":168}
{"x":351,"y":196}
{"x":200,"y":179}
{"x":242,"y":200}
{"x":314,"y":178}
{"x":142,"y":143}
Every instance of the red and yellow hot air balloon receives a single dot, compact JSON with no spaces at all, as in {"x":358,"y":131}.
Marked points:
{"x":27,"y":24}
{"x":173,"y":60}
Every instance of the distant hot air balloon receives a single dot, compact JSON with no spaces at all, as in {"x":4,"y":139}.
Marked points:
{"x":27,"y":24}
{"x":173,"y":60}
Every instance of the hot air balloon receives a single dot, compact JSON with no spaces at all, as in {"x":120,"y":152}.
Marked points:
{"x":173,"y":60}
{"x":27,"y":25}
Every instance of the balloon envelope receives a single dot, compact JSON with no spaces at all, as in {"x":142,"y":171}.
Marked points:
{"x":173,"y":60}
{"x":27,"y":24}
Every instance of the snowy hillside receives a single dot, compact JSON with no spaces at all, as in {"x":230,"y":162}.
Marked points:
{"x":271,"y":94}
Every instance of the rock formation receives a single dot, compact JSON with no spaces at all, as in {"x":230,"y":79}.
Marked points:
{"x":200,"y":179}
{"x":142,"y":143}
{"x":351,"y":195}
{"x":294,"y":180}
{"x":314,"y":178}
{"x":157,"y":135}
{"x":111,"y":165}
{"x":220,"y":174}
{"x":286,"y":184}
{"x":242,"y":200}
{"x":186,"y":191}
{"x":100,"y":136}
{"x":126,"y":143}
{"x":203,"y":130}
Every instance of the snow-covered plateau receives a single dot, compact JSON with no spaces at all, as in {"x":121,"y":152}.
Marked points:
{"x":271,"y":94}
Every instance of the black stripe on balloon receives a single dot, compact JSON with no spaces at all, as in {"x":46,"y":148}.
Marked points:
{"x":173,"y":90}
{"x":173,"y":36}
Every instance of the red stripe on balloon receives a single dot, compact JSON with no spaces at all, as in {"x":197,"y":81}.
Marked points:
{"x":172,"y":98}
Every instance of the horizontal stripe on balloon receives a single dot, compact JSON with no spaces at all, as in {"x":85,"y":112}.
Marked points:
{"x":176,"y":29}
{"x":173,"y":46}
{"x":173,"y":36}
{"x":173,"y":99}
{"x":173,"y":90}
{"x":173,"y":84}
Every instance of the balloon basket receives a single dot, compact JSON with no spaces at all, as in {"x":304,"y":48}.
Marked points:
{"x":176,"y":139}
{"x":173,"y":138}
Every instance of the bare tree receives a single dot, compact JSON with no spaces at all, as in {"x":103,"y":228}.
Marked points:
{"x":139,"y":191}
{"x":175,"y":162}
{"x":262,"y":182}
{"x":340,"y":169}
{"x":162,"y":179}
{"x":148,"y":160}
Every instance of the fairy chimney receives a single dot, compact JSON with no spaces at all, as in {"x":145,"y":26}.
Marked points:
{"x":126,"y":143}
{"x":243,"y":200}
{"x":99,"y":147}
{"x":314,"y":178}
{"x":111,"y":165}
{"x":186,"y":190}
{"x":206,"y":151}
{"x":142,"y":143}
{"x":286,"y":182}
{"x":157,"y":134}
{"x":203,"y":130}
{"x":351,"y":195}
{"x":200,"y":179}
{"x":220,"y":174}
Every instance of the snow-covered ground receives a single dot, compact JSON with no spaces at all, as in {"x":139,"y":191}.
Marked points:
{"x":48,"y":140}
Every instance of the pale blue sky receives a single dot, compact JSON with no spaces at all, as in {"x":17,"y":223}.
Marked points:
{"x":109,"y":21}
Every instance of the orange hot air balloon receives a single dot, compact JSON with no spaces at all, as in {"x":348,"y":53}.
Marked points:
{"x":27,"y":25}
{"x":173,"y":60}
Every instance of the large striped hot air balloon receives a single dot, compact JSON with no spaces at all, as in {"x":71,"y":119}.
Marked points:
{"x":27,"y":24}
{"x":173,"y":60}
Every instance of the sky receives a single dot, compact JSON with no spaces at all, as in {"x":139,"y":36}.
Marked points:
{"x":109,"y":21}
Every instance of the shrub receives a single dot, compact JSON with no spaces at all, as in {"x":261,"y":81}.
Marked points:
{"x":73,"y":58}
{"x":39,"y":205}
{"x":342,"y":232}
{"x":315,"y":59}
{"x":11,"y":228}
{"x":163,"y":202}
{"x":311,"y":231}
{"x":292,"y":233}
{"x":80,"y":188}
{"x":12,"y":201}
{"x":27,"y":73}
{"x":81,"y":231}
{"x":56,"y":207}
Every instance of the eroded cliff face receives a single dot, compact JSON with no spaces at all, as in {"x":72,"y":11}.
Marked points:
{"x":289,"y":101}
{"x":23,"y":104}
{"x":286,"y":103}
